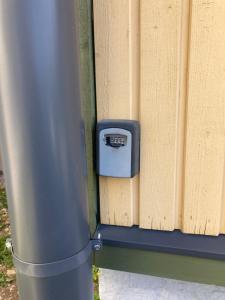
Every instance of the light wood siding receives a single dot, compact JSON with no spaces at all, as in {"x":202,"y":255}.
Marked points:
{"x":159,"y":99}
{"x":117,"y":75}
{"x":205,"y":143}
{"x":162,"y":62}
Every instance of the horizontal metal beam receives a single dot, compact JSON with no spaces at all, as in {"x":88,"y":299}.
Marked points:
{"x":174,"y":242}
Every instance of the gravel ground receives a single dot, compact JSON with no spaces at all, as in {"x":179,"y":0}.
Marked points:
{"x":9,"y":292}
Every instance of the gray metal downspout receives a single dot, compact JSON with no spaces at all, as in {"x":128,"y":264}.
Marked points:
{"x":43,"y":148}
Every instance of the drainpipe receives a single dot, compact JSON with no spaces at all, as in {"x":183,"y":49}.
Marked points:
{"x":43,"y":150}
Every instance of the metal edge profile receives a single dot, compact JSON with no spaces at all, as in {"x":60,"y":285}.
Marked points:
{"x":174,"y":242}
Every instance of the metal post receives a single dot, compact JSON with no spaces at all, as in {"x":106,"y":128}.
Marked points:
{"x":43,"y":148}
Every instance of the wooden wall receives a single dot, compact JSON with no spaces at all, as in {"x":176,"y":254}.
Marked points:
{"x":162,"y":62}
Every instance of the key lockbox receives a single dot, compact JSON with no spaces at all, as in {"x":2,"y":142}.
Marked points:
{"x":118,"y":143}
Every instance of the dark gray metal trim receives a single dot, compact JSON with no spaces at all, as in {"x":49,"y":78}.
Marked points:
{"x":174,"y":242}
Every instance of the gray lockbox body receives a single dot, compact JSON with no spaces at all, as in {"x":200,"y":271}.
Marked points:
{"x":118,"y":148}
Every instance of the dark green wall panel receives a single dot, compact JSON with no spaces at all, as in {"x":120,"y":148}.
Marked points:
{"x":162,"y":264}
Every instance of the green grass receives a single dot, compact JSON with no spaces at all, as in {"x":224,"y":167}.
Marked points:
{"x":3,"y":199}
{"x":96,"y":296}
{"x":3,"y":279}
{"x":5,"y":256}
{"x":95,"y":272}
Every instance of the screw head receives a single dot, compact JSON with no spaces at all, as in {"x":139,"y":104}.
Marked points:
{"x":97,"y":247}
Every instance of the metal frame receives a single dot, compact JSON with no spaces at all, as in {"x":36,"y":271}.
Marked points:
{"x":165,"y":254}
{"x":174,"y":242}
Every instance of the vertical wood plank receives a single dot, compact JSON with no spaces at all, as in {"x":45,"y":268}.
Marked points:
{"x":205,"y":141}
{"x":117,"y":77}
{"x":160,"y":46}
{"x":181,"y":110}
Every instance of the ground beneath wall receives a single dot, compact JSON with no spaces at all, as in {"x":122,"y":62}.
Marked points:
{"x":115,"y":285}
{"x":8,"y":290}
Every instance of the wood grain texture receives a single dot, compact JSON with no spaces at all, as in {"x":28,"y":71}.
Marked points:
{"x":181,"y":110}
{"x":205,"y":141}
{"x":163,"y":61}
{"x":116,"y":26}
{"x":160,"y":78}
